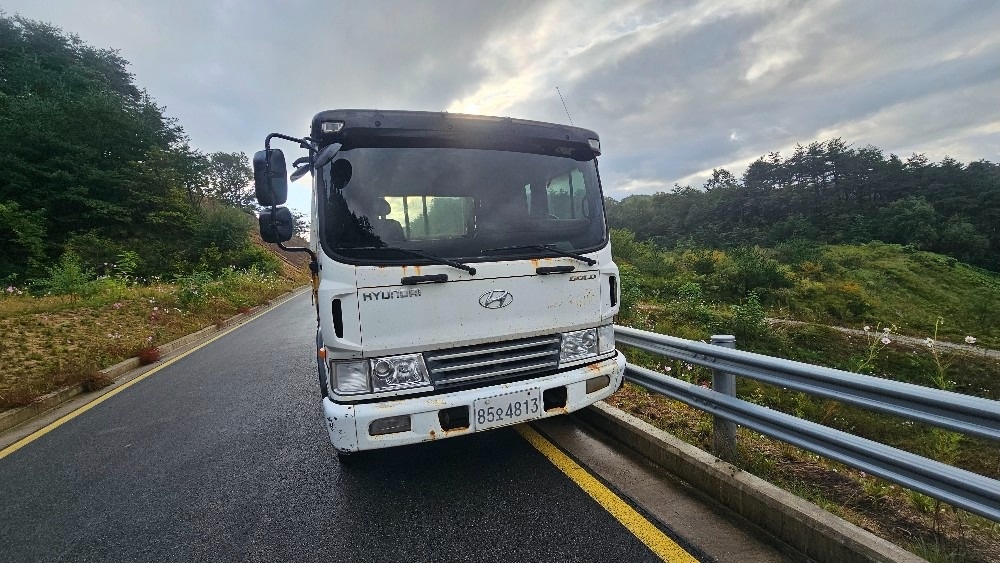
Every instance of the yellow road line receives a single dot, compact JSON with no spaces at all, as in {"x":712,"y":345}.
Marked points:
{"x":657,"y":541}
{"x":70,"y":416}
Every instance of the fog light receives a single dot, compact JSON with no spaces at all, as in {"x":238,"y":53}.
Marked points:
{"x":389,"y":425}
{"x":598,"y":383}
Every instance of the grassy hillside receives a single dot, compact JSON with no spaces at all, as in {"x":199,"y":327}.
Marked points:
{"x":875,"y":284}
{"x":694,"y":293}
{"x":897,"y":286}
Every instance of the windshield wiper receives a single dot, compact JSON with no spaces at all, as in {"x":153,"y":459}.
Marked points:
{"x":418,"y":254}
{"x":546,"y":247}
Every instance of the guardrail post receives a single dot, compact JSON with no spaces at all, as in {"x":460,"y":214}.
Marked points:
{"x":724,"y":431}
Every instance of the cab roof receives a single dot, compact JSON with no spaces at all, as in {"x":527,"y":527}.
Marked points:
{"x":393,"y":128}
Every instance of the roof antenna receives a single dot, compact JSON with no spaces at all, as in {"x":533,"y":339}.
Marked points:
{"x":564,"y":106}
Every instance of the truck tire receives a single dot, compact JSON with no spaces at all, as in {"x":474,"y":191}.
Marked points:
{"x":348,"y":458}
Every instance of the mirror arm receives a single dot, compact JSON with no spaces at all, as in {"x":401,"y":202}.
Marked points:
{"x":304,"y":142}
{"x":312,"y":254}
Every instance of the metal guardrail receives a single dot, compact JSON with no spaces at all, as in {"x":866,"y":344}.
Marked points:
{"x":954,"y":411}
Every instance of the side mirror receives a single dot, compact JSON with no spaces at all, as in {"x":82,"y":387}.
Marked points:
{"x":327,"y":154}
{"x":275,"y":225}
{"x":271,"y":188}
{"x":301,"y":166}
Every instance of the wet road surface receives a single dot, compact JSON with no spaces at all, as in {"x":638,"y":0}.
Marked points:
{"x":222,"y":456}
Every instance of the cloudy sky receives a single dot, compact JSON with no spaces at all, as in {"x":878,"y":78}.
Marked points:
{"x":675,"y":88}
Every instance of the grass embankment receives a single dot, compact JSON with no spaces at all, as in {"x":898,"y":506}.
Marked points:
{"x":696,"y":293}
{"x":53,"y":341}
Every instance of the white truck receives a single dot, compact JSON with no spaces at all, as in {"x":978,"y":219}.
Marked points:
{"x":463,"y":277}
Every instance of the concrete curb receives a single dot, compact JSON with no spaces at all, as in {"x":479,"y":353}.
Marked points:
{"x":809,"y":529}
{"x":120,"y":371}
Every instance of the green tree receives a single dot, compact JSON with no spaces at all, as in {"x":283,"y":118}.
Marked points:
{"x":86,"y":151}
{"x":23,"y":234}
{"x":93,"y":165}
{"x":300,"y":224}
{"x":229,"y":177}
{"x":959,"y":238}
{"x":829,"y":192}
{"x":909,"y":221}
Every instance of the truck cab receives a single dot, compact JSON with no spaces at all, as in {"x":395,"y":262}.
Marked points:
{"x":463,"y":272}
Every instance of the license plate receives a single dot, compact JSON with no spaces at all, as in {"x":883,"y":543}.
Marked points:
{"x":509,"y":408}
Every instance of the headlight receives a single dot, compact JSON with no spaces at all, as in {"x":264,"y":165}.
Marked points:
{"x":579,"y":344}
{"x":384,"y":374}
{"x":350,"y":377}
{"x":398,"y":372}
{"x":605,"y":339}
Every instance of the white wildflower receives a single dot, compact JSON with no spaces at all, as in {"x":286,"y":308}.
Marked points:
{"x":885,"y":340}
{"x":970,"y":339}
{"x":867,"y":328}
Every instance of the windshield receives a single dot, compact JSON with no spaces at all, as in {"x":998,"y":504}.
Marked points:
{"x":463,"y":204}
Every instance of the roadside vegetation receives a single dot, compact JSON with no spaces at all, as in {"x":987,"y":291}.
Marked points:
{"x":62,"y":329}
{"x":117,"y":235}
{"x":883,"y":291}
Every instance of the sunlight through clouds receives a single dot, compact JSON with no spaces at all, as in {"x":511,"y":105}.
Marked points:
{"x":675,"y":89}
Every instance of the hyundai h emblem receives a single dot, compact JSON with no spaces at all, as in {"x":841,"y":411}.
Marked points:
{"x":496,"y":299}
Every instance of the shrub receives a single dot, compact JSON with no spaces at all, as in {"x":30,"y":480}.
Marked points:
{"x":703,"y":262}
{"x":68,"y":277}
{"x":631,"y":294}
{"x":689,"y":292}
{"x":846,"y":300}
{"x":748,"y":318}
{"x":193,"y":289}
{"x":749,"y":269}
{"x":126,"y":266}
{"x":97,"y":253}
{"x":19,"y":397}
{"x":96,"y":380}
{"x":797,"y":251}
{"x":148,"y":355}
{"x":225,"y":227}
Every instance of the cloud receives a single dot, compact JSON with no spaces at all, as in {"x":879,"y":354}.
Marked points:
{"x":640,"y":185}
{"x":674,"y":89}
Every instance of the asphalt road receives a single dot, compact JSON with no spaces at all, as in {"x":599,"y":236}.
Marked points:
{"x":222,"y":456}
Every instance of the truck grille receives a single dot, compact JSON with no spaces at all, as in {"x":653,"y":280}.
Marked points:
{"x":470,"y":365}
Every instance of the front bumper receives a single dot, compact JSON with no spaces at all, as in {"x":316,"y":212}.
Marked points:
{"x":348,"y":423}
